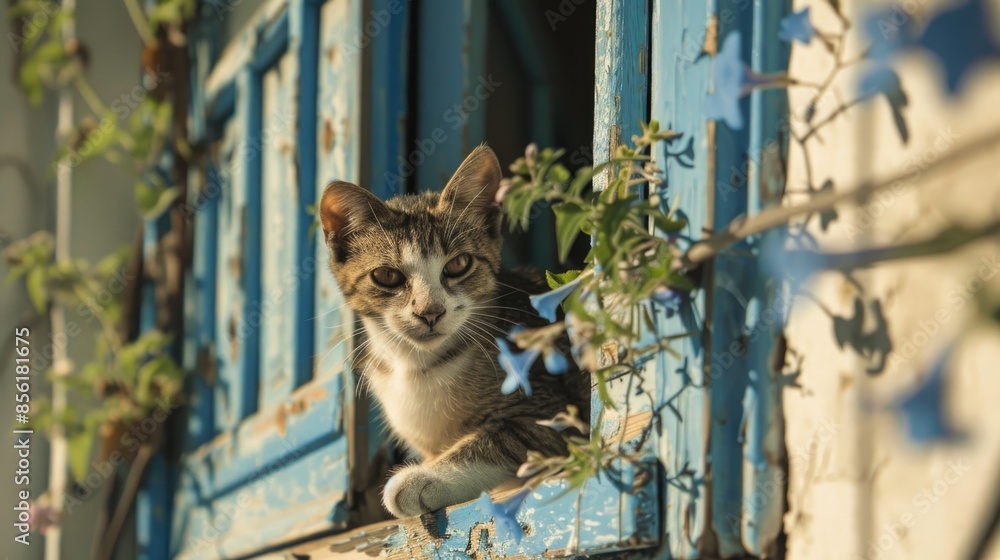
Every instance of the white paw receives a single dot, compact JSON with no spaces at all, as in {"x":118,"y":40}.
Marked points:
{"x":413,"y":491}
{"x":417,"y":489}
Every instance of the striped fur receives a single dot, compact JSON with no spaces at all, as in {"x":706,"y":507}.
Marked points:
{"x":429,"y":355}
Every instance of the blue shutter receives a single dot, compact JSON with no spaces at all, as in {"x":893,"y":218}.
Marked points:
{"x":718,"y":501}
{"x":267,"y":453}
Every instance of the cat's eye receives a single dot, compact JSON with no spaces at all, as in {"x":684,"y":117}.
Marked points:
{"x":388,"y":277}
{"x":458,"y":266}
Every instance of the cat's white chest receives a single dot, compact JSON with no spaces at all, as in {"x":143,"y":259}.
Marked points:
{"x":420,"y":408}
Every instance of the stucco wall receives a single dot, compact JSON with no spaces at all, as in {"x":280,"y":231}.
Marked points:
{"x":103,"y":219}
{"x":859,"y":487}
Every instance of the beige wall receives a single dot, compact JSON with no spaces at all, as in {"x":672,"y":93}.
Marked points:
{"x":858,"y":487}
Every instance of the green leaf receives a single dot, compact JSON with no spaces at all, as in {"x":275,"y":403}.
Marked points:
{"x":153,"y":201}
{"x":584,"y":176}
{"x":555,"y":280}
{"x":570,"y":216}
{"x":35,"y":284}
{"x":666,"y":225}
{"x":80,"y":444}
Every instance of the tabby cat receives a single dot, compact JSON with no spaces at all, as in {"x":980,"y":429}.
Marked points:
{"x":422,"y":272}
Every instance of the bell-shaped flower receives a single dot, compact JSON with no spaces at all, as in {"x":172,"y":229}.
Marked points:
{"x":547,"y":303}
{"x":797,"y":27}
{"x":555,"y":362}
{"x":517,"y":366}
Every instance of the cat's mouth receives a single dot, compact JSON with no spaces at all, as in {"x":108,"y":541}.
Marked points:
{"x":428,"y":338}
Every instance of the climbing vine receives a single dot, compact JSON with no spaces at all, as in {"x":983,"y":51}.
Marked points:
{"x":131,"y":377}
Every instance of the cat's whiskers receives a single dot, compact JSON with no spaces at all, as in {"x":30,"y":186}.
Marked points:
{"x":329,"y":311}
{"x":515,"y":288}
{"x":489,"y":358}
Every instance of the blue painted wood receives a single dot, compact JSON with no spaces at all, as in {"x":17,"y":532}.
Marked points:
{"x":247,"y":383}
{"x":199,"y":307}
{"x":279,"y":229}
{"x":708,"y":514}
{"x":276,"y":467}
{"x":306,"y":23}
{"x":728,"y":297}
{"x":765,"y":466}
{"x":680,"y":81}
{"x":621,"y":73}
{"x":452,"y":89}
{"x":602,"y":517}
{"x":152,"y":501}
{"x":229,"y":268}
{"x":386,"y":97}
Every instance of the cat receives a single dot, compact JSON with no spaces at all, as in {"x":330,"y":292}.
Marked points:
{"x":423,"y":274}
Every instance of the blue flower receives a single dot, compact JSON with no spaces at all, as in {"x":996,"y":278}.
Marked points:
{"x":547,"y":303}
{"x":923,"y":410}
{"x":729,"y":75}
{"x":669,"y":299}
{"x":797,"y":27}
{"x":961,"y":38}
{"x":555,"y":362}
{"x":517,"y":365}
{"x":504,"y":514}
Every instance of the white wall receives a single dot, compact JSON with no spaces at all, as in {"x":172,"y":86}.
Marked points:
{"x":857,"y":483}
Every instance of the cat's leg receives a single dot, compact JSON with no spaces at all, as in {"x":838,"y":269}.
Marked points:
{"x":478,"y":462}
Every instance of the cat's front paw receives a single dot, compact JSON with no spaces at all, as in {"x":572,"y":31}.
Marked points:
{"x":415,"y":490}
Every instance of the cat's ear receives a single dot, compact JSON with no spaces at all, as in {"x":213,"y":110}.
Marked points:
{"x":474,"y":186}
{"x":346,"y":207}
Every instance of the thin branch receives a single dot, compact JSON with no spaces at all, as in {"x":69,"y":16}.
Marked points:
{"x":776,"y":216}
{"x":126,"y":500}
{"x":142,"y":26}
{"x":90,"y":96}
{"x":839,"y":111}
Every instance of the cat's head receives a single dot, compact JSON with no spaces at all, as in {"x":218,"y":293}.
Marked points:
{"x":418,"y":267}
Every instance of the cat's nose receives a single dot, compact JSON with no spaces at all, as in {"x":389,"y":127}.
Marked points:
{"x":430,"y":316}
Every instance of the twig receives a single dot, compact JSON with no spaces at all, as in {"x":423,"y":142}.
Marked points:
{"x":101,"y":525}
{"x":776,"y":216}
{"x":125,"y":502}
{"x":140,"y":22}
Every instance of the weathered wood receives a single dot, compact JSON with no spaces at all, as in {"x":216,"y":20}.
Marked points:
{"x":452,"y":88}
{"x":600,"y":518}
{"x":765,"y":475}
{"x":273,"y":468}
